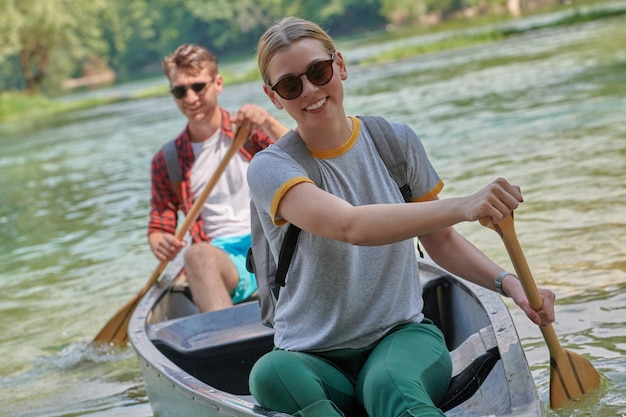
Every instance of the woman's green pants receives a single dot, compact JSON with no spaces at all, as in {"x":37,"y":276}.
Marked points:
{"x":404,"y":374}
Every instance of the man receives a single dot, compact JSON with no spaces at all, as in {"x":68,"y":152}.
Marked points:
{"x":215,"y":262}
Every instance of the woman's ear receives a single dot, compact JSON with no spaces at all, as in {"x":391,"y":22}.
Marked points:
{"x":343,"y":70}
{"x":272,"y":96}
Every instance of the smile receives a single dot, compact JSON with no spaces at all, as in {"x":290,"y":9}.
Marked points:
{"x":316,"y":106}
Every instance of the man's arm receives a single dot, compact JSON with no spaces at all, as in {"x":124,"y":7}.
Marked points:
{"x":163,"y":212}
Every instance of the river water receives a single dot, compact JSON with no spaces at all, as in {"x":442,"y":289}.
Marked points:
{"x":547,"y":110}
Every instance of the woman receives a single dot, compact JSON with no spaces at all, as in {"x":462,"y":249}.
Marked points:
{"x":350,"y":335}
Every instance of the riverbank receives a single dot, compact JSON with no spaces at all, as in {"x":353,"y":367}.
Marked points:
{"x":494,"y":31}
{"x":15,"y":106}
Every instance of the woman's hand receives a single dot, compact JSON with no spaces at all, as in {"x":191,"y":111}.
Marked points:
{"x":495,"y":201}
{"x":542,"y":317}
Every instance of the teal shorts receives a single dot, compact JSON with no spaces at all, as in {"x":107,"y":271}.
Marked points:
{"x":236,"y":247}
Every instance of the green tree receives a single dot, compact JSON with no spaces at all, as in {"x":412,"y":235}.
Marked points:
{"x":10,"y":20}
{"x":43,"y":42}
{"x":50,"y":39}
{"x":131,"y":30}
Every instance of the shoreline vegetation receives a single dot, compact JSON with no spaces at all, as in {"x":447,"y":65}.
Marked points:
{"x":16,"y":105}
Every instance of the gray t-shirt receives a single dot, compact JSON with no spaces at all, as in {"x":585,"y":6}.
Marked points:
{"x":338,"y":295}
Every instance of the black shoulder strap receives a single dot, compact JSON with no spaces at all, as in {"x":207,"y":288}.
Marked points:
{"x":173,"y":168}
{"x":295,"y":147}
{"x":287,"y":249}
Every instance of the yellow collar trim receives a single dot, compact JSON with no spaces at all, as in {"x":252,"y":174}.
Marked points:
{"x":333,"y":153}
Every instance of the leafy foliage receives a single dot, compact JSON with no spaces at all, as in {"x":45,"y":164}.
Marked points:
{"x":43,"y":42}
{"x":50,"y":39}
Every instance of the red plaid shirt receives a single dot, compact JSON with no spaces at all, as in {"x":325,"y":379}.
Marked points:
{"x":164,"y":201}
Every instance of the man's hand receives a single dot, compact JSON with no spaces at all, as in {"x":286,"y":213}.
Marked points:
{"x":165,"y":246}
{"x":256,"y":118}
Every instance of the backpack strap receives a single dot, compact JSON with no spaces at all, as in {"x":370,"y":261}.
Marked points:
{"x":170,"y":154}
{"x":389,"y":149}
{"x":295,"y":147}
{"x":287,"y":249}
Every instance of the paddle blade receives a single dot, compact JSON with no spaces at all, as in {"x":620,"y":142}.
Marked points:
{"x":116,"y":330}
{"x":571,"y":377}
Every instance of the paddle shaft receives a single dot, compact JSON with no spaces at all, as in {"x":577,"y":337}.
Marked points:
{"x":116,"y":330}
{"x":506,"y":229}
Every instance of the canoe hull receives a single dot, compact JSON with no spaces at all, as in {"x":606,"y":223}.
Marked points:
{"x":197,"y":364}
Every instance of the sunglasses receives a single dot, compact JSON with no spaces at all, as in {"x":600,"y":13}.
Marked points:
{"x":180,"y":91}
{"x":319,"y":73}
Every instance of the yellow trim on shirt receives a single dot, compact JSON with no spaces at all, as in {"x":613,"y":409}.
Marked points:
{"x":431,"y":195}
{"x":279,"y":221}
{"x":333,"y":153}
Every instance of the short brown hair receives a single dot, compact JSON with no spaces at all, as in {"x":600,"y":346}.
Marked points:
{"x":285,"y":33}
{"x":191,"y":58}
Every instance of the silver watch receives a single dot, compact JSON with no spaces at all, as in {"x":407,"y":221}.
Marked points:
{"x":499,"y":280}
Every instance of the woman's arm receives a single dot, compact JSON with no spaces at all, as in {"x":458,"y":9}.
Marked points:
{"x":321,"y":213}
{"x":470,"y":263}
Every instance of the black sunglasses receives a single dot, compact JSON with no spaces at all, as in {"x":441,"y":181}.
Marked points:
{"x":319,"y":73}
{"x":180,"y":91}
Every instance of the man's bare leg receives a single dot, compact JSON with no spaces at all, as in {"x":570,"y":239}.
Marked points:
{"x":211,"y":275}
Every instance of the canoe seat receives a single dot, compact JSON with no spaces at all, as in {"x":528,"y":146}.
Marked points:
{"x":219,"y":348}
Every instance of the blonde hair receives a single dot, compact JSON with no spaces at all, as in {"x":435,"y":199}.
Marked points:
{"x":191,"y":58}
{"x":284,"y":34}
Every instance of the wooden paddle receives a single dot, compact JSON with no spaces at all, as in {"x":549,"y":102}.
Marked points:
{"x":115,"y":332}
{"x":571,"y":375}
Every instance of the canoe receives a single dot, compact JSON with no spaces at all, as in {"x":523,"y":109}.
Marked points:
{"x":198,"y":363}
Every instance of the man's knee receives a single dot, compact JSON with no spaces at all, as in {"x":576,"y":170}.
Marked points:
{"x":196,"y":250}
{"x":203,"y":253}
